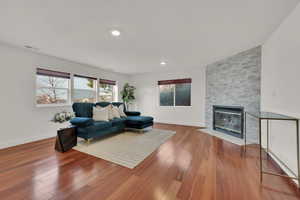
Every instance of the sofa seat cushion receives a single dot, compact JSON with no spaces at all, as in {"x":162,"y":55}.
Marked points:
{"x":139,"y":126}
{"x":81,"y":121}
{"x":138,"y":120}
{"x":102,"y":124}
{"x":97,"y":126}
{"x":118,"y":121}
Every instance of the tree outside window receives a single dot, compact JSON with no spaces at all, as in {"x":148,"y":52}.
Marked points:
{"x":52,"y":90}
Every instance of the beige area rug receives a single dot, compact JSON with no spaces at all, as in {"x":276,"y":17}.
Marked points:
{"x":127,"y":149}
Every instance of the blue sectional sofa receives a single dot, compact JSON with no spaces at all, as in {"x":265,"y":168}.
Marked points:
{"x":87,"y":128}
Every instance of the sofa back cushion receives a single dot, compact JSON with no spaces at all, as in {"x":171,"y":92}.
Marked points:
{"x":83,"y":109}
{"x":117,"y":103}
{"x":103,"y":104}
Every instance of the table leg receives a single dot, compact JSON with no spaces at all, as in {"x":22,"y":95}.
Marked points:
{"x":260,"y":152}
{"x":245,"y":132}
{"x":298,"y":164}
{"x":267,"y":150}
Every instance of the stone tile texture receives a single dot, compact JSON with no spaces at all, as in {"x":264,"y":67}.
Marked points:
{"x":235,"y":81}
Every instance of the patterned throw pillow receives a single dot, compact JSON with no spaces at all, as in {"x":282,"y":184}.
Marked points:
{"x":115,"y":112}
{"x":121,"y":111}
{"x":100,"y":114}
{"x":110,"y":112}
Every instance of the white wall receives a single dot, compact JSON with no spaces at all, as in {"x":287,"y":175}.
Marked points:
{"x":281,"y":85}
{"x":21,"y":121}
{"x":147,"y":95}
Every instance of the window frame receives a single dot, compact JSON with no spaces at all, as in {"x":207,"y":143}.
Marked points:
{"x":113,"y":93}
{"x":174,"y":96}
{"x":73,"y":76}
{"x":70,"y":90}
{"x":68,"y":103}
{"x":114,"y":89}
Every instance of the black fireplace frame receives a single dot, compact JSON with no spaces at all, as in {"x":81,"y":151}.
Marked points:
{"x":234,"y":109}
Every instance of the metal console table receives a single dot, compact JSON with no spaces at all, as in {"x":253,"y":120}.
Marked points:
{"x":268,"y":116}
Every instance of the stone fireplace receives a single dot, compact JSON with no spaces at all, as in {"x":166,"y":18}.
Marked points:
{"x":234,"y":82}
{"x":229,"y":120}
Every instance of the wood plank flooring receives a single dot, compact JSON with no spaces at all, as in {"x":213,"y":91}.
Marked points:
{"x":191,"y":165}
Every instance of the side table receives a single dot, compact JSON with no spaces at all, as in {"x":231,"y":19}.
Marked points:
{"x":268,"y":116}
{"x":66,"y":139}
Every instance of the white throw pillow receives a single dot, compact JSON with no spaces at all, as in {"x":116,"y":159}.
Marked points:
{"x":100,"y":114}
{"x":115,"y":112}
{"x":121,"y":111}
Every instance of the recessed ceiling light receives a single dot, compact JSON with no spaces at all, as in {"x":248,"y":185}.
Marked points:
{"x":115,"y":33}
{"x":163,"y":63}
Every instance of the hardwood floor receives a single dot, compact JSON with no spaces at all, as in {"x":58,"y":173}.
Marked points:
{"x":191,"y":165}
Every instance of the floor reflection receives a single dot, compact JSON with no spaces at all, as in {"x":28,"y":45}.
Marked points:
{"x":169,"y":154}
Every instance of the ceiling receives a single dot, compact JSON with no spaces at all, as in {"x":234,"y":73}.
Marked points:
{"x":186,"y":34}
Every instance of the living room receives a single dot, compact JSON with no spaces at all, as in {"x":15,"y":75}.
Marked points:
{"x":150,"y":100}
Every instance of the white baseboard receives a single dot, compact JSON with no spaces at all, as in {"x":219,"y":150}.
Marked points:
{"x":16,"y":142}
{"x":182,"y":123}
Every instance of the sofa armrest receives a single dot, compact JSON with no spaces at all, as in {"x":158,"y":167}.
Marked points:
{"x":81,"y":121}
{"x":132,"y":113}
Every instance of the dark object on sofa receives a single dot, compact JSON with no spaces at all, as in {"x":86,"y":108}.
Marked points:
{"x":66,"y":139}
{"x":87,"y":128}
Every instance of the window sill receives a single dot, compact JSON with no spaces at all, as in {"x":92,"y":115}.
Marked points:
{"x":52,"y":105}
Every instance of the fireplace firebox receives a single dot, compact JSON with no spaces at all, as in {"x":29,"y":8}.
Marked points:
{"x":229,"y":120}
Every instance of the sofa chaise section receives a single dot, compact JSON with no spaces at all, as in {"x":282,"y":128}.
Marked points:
{"x":139,"y":122}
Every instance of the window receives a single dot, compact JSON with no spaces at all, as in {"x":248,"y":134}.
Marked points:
{"x":52,"y":87}
{"x":166,"y":93}
{"x":107,"y":90}
{"x":175,"y":92}
{"x":183,"y":94}
{"x":84,"y":89}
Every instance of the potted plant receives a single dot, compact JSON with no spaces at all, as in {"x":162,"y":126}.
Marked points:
{"x":128,"y":94}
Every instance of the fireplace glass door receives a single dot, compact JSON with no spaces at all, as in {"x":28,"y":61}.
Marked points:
{"x":228,"y":120}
